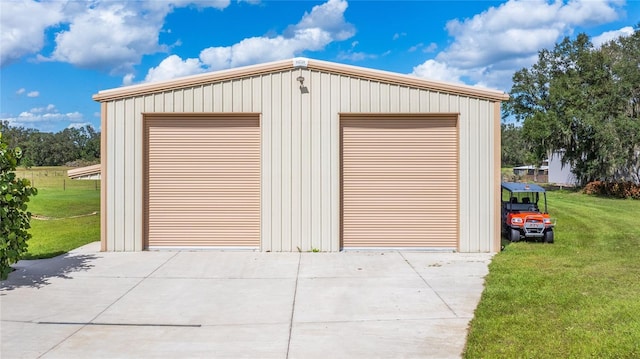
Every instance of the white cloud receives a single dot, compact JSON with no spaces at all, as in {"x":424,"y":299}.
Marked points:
{"x":99,"y":34}
{"x":110,"y":36}
{"x":318,"y":28}
{"x":415,"y":47}
{"x":23,"y":27}
{"x":23,"y":91}
{"x":490,"y":46}
{"x":128,"y":79}
{"x":47,"y":117}
{"x":432,"y":47}
{"x":48,"y":108}
{"x":217,"y":57}
{"x":397,"y":35}
{"x":434,"y":70}
{"x":355,"y":56}
{"x":74,"y":116}
{"x":173,"y":66}
{"x":201,"y":4}
{"x":519,"y":27}
{"x":328,"y":17}
{"x":589,"y":12}
{"x":611,"y":35}
{"x":39,"y":110}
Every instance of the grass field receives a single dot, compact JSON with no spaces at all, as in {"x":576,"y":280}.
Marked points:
{"x":577,"y":298}
{"x":65,"y":212}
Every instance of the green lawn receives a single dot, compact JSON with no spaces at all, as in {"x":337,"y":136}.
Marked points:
{"x":65,"y":212}
{"x":577,"y":298}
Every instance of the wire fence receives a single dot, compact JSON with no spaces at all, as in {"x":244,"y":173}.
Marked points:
{"x":56,"y":178}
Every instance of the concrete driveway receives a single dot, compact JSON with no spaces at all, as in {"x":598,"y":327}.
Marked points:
{"x":235,"y":304}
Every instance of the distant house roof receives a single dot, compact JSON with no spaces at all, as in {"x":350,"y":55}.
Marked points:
{"x":530,"y":167}
{"x":89,"y":172}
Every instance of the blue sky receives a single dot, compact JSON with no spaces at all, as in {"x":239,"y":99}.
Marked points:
{"x":55,"y":55}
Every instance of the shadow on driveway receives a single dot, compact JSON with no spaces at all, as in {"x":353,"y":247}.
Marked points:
{"x":38,"y":272}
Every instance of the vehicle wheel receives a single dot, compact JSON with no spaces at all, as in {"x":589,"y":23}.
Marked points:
{"x":515,"y":235}
{"x":548,"y":237}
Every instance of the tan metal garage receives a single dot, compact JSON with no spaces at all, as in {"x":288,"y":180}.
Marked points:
{"x":202,"y":176}
{"x":399,"y":181}
{"x":300,"y":155}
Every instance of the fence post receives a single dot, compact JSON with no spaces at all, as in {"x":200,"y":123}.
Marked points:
{"x":64,"y":184}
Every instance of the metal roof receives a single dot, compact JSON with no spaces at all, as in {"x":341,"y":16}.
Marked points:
{"x":309,"y":64}
{"x":522,"y":187}
{"x":84,"y":171}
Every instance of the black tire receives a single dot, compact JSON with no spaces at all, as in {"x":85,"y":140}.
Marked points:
{"x":514,"y":235}
{"x":548,"y":236}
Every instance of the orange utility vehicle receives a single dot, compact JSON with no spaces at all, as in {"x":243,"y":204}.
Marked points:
{"x":521,"y":212}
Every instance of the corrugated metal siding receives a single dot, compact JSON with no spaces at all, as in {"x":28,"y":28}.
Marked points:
{"x":400,"y":182}
{"x":300,"y":180}
{"x":477,"y":176}
{"x":203,"y":181}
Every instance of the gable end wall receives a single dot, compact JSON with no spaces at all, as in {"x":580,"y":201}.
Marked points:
{"x":300,"y":153}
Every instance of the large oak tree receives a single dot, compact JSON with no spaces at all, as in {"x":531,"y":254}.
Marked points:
{"x":585,"y":102}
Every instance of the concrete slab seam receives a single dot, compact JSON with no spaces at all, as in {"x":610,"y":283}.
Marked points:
{"x":99,"y":324}
{"x":429,"y":285}
{"x":417,"y":320}
{"x":108,"y":306}
{"x":293,"y":305}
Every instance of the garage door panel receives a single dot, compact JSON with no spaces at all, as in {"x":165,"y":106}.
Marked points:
{"x":203,"y":182}
{"x":211,"y":186}
{"x":399,"y":182}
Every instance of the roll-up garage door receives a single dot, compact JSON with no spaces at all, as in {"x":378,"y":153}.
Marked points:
{"x":203,"y":181}
{"x":399,"y":181}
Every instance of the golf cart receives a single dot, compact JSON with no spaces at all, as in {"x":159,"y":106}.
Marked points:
{"x":521,"y":212}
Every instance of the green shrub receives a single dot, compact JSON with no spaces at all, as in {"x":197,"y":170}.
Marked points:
{"x":14,"y":217}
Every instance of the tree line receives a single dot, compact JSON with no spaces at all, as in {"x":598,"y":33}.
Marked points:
{"x":71,"y":145}
{"x":581,"y":100}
